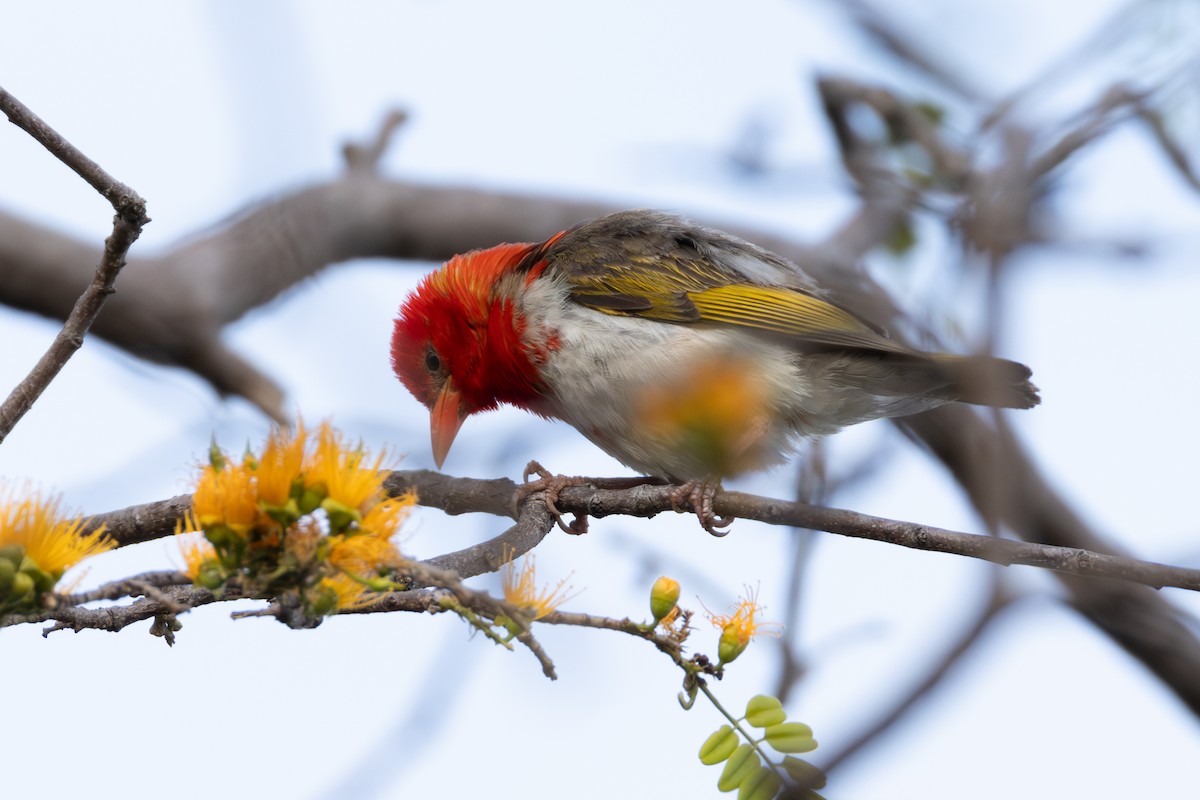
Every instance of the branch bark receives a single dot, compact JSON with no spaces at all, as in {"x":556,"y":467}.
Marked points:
{"x":127,"y":226}
{"x":472,"y":495}
{"x":172,"y":307}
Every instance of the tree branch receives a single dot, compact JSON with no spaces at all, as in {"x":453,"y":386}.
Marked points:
{"x":998,"y":601}
{"x":127,"y":226}
{"x":466,"y":495}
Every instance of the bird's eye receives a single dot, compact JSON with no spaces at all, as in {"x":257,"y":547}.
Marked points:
{"x":432,"y":362}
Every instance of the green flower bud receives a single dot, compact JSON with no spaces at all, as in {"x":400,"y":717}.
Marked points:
{"x":664,"y":595}
{"x":13,"y":553}
{"x":22,"y":586}
{"x":7,"y":571}
{"x":42,"y":581}
{"x":215,"y":457}
{"x":285,"y":515}
{"x":322,"y":601}
{"x":732,"y":644}
{"x":340,"y":516}
{"x":219,"y":536}
{"x":308,"y":497}
{"x":211,"y":577}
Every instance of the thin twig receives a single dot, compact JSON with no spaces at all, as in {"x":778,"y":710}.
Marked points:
{"x":666,"y":644}
{"x":129,"y":587}
{"x":888,"y":34}
{"x":998,"y":601}
{"x":366,"y":157}
{"x":127,"y":226}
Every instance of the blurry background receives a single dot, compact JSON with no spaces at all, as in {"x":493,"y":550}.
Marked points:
{"x":704,"y":108}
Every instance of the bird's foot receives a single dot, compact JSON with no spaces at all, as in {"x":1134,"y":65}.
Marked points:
{"x":551,"y":485}
{"x":699,"y":494}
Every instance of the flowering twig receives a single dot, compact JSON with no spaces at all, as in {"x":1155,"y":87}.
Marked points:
{"x":127,"y":226}
{"x":664,"y":643}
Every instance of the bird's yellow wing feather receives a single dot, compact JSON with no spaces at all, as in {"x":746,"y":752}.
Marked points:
{"x":683,"y":297}
{"x":639,"y":264}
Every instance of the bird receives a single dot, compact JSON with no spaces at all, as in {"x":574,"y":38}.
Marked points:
{"x":688,"y":354}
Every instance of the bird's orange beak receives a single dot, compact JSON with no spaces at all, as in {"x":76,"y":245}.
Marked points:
{"x":445,"y":418}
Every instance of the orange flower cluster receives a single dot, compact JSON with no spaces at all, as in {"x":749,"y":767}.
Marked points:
{"x":307,"y":515}
{"x":37,"y":545}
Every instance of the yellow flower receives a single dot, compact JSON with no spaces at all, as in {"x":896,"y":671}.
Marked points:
{"x":348,"y":475}
{"x":226,"y":496}
{"x":738,"y":628}
{"x":520,"y":589}
{"x":363,"y":556}
{"x":384,"y":519}
{"x":348,"y":592}
{"x":281,"y":464}
{"x":196,"y":552}
{"x":717,"y":410}
{"x":36,"y":528}
{"x":261,"y":520}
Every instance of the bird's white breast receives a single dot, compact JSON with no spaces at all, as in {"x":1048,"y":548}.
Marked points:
{"x":605,"y":366}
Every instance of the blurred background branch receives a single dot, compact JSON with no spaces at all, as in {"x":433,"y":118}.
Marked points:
{"x":934,"y":148}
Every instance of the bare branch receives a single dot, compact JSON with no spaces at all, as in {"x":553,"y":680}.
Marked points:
{"x":1148,"y":626}
{"x":125,"y":200}
{"x":666,"y":644}
{"x":366,"y":157}
{"x":129,"y":587}
{"x":142,"y":523}
{"x":998,"y":601}
{"x":127,"y":226}
{"x":888,"y":34}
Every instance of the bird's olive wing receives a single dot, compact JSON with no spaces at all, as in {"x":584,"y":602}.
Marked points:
{"x":695,"y":290}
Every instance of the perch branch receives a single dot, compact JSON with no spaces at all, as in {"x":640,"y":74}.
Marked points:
{"x":463,"y":495}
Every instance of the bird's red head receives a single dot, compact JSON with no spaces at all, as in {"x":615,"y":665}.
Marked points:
{"x":459,"y":343}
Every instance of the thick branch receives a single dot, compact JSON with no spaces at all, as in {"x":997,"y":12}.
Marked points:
{"x":172,"y":307}
{"x":1144,"y":623}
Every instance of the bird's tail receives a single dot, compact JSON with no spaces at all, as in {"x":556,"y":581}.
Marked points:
{"x":987,"y":381}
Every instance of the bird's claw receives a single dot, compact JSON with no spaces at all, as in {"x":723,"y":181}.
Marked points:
{"x":699,"y":495}
{"x":551,"y":485}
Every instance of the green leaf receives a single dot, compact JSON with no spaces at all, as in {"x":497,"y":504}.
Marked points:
{"x":740,"y":766}
{"x":903,"y":237}
{"x":804,"y":773}
{"x":931,"y":111}
{"x":762,"y":785}
{"x":791,"y":737}
{"x":719,"y":746}
{"x":764,"y":710}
